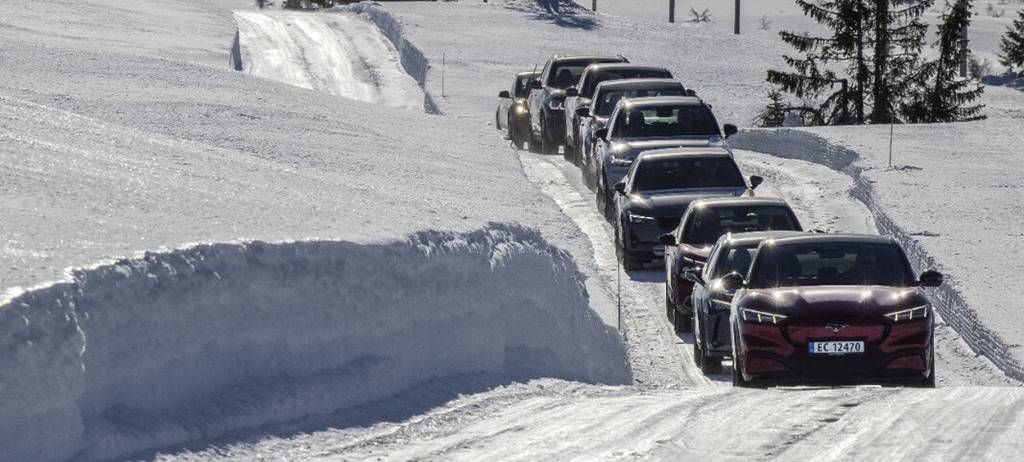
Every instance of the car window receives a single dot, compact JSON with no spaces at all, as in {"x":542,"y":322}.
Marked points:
{"x":594,"y":78}
{"x":686,"y":120}
{"x":605,"y":100}
{"x":683,"y":173}
{"x":820,"y":264}
{"x":734,"y":260}
{"x":563,"y":76}
{"x":522,"y":86}
{"x":706,"y":225}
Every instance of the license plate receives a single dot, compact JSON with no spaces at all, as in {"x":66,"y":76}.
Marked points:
{"x":835,"y":348}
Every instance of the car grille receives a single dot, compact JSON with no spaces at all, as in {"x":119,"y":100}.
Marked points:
{"x":668,"y":224}
{"x":808,"y":330}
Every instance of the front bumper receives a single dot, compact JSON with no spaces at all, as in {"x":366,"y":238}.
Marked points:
{"x":903,"y":353}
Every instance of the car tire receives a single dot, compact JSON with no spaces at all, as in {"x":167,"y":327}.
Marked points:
{"x":707,"y":363}
{"x":929,"y":382}
{"x":682,"y":324}
{"x":737,"y":365}
{"x":669,"y":306}
{"x":535,"y":146}
{"x":628,"y":263}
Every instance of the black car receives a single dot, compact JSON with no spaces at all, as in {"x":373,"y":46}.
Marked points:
{"x":547,"y":98}
{"x":512,"y":114}
{"x":688,"y":247}
{"x":712,"y":339}
{"x":657,"y":190}
{"x":581,"y":95}
{"x":835,"y":308}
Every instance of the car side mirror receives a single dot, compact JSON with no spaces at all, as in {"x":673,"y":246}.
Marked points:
{"x":583,"y":111}
{"x":572,"y":91}
{"x":729,"y":130}
{"x":732,"y":281}
{"x":930,"y":278}
{"x":755,"y":181}
{"x":601,"y":133}
{"x":620,"y":187}
{"x":535,"y":84}
{"x":690,"y":92}
{"x":504,"y":94}
{"x":667,"y":239}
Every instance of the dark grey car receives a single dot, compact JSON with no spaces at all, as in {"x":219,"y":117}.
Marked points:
{"x":657,"y":190}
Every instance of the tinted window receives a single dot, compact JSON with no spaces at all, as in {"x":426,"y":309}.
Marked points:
{"x":655,"y":174}
{"x":606,"y":100}
{"x":565,"y":75}
{"x":734,"y":260}
{"x":832,"y":264}
{"x":620,"y":74}
{"x":706,"y":225}
{"x":523,"y":86}
{"x":689,"y":120}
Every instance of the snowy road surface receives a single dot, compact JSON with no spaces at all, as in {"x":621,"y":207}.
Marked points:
{"x":339,"y":54}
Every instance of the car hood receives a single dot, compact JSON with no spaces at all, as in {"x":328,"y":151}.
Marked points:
{"x":827,"y":301}
{"x":674,"y":202}
{"x":632,"y":148}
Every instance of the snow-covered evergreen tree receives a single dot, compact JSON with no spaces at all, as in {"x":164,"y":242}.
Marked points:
{"x":939,"y":94}
{"x":774,"y":114}
{"x":897,"y":37}
{"x":1012,"y":45}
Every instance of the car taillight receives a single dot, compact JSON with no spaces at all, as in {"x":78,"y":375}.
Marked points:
{"x":920,"y":312}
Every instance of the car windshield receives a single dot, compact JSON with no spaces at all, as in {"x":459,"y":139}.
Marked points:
{"x":684,"y":120}
{"x":619,"y":74}
{"x":523,"y":86}
{"x":826,"y":264}
{"x":682,"y":173}
{"x":605,"y":101}
{"x":707,"y":224}
{"x":734,"y":260}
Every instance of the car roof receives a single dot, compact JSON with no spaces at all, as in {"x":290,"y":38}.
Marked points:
{"x":738,"y":201}
{"x":638,"y":84}
{"x":813,"y":238}
{"x":649,"y":101}
{"x":605,"y":59}
{"x":681,"y":152}
{"x":597,"y":67}
{"x":528,"y":74}
{"x":753,"y":237}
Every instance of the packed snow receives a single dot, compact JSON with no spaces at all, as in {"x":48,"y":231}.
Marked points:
{"x":350,"y":295}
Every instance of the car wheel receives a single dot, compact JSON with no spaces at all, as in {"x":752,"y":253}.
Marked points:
{"x":707,"y":363}
{"x":534,"y":143}
{"x":669,"y":308}
{"x":628,"y":263}
{"x":682,"y":323}
{"x":929,"y":382}
{"x":737,"y":365}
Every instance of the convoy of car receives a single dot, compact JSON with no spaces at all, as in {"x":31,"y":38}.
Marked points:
{"x":740,"y":273}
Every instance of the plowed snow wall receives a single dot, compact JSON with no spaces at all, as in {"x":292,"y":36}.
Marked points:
{"x":414,"y":61}
{"x":797,"y":144}
{"x":189,"y":344}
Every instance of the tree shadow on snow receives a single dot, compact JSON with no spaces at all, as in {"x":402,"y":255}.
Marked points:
{"x":562,"y":13}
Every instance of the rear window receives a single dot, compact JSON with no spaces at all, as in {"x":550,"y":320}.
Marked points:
{"x":820,"y":264}
{"x":605,"y":101}
{"x":687,"y":120}
{"x":734,"y":260}
{"x":706,"y":225}
{"x":620,"y":74}
{"x":656,"y":174}
{"x":565,"y":74}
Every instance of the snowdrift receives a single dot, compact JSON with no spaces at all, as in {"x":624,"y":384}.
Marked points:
{"x":948,"y":300}
{"x":189,"y":344}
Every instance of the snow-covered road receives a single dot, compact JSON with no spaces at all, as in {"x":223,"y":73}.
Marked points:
{"x":339,"y":54}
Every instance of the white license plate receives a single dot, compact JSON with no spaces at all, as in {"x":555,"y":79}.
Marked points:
{"x":835,"y":348}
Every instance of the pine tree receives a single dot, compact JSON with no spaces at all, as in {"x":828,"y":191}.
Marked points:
{"x":1012,"y":45}
{"x":939,"y":94}
{"x":812,"y":75}
{"x":774,"y":114}
{"x":898,"y":35}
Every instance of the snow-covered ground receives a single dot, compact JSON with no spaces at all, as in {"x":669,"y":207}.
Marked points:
{"x":383,"y":290}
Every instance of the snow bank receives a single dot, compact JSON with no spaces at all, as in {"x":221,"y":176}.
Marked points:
{"x":948,"y":299}
{"x":413,"y":60}
{"x":192,"y":343}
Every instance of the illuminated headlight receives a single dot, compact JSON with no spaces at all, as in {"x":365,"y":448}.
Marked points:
{"x":556,"y":105}
{"x":638,"y":219}
{"x":760,"y":317}
{"x":911,"y":314}
{"x":520,"y":109}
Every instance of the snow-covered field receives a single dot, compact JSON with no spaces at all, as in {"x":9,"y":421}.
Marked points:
{"x":351,"y":296}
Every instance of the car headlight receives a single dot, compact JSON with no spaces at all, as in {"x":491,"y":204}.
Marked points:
{"x":910,"y":314}
{"x":638,"y":219}
{"x":760,"y":317}
{"x":520,"y":109}
{"x":556,"y":105}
